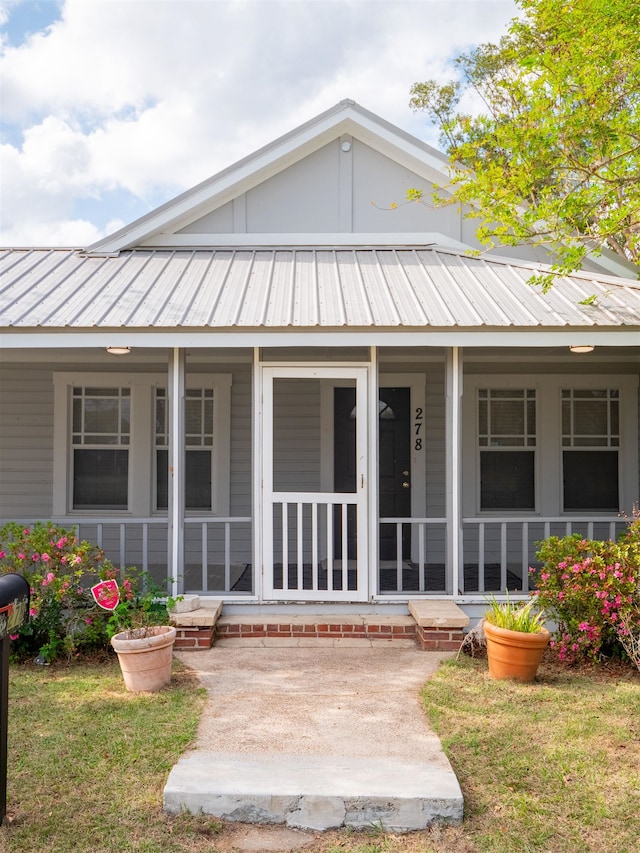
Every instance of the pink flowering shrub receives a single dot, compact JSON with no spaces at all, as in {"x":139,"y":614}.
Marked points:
{"x":591,"y":588}
{"x":61,"y":569}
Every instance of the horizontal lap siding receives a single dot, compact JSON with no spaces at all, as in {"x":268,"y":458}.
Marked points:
{"x":435,"y":443}
{"x":435,"y":454}
{"x":241,"y":486}
{"x":26,"y":441}
{"x":296,"y":463}
{"x":241,"y":425}
{"x":296,"y":428}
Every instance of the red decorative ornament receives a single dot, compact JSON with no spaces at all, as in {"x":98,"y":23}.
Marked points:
{"x":106,"y":594}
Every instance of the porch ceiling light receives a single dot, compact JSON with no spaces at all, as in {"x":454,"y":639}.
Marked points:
{"x":119,"y":350}
{"x":582,"y":348}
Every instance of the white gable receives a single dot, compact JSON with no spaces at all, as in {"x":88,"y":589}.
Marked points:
{"x":338,"y":180}
{"x":328,"y":192}
{"x":335,"y":175}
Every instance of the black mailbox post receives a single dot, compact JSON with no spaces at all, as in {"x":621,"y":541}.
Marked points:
{"x":14,"y":612}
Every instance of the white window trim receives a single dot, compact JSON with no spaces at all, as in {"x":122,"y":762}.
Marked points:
{"x":505,"y":448}
{"x":142,"y":483}
{"x":548,"y":467}
{"x":220,"y":383}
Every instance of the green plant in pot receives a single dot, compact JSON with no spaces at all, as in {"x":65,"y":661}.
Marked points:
{"x":142,"y":638}
{"x":516,"y":639}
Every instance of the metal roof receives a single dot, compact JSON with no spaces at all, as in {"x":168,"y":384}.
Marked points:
{"x":412,"y":288}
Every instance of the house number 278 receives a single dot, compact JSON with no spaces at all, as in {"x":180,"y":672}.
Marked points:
{"x":417,"y":426}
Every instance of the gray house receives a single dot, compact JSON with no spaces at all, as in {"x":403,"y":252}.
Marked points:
{"x":278,"y":389}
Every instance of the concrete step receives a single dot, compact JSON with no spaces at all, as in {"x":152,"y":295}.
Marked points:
{"x":314,"y":792}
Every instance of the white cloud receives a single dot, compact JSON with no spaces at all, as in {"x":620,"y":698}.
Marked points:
{"x":152,"y":96}
{"x":72,"y":233}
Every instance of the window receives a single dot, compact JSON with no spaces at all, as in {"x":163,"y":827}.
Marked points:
{"x":199,"y":440}
{"x":590,"y":446}
{"x":101,"y":434}
{"x":111,"y":442}
{"x":507,"y":441}
{"x":549,"y":443}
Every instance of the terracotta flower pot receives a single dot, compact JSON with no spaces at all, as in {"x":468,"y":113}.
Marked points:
{"x":145,"y":657}
{"x":514,"y":654}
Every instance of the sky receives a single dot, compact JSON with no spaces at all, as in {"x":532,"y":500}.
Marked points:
{"x":109,"y":108}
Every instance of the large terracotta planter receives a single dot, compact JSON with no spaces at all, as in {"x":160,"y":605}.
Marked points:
{"x":514,"y":654}
{"x":145,"y":657}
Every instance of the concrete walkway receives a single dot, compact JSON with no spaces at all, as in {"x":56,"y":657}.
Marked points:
{"x":316,"y":738}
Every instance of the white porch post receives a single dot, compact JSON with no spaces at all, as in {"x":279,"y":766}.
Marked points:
{"x":257,"y":474}
{"x":176,"y":468}
{"x":453,"y":431}
{"x":372,"y":469}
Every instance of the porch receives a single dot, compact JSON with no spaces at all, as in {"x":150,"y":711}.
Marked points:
{"x":356,"y":477}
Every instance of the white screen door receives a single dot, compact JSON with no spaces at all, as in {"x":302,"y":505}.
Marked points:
{"x":314,"y":541}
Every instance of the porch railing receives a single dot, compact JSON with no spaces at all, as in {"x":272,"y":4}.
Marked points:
{"x":218,"y":551}
{"x":218,"y":555}
{"x":498,"y":552}
{"x":420,"y":559}
{"x":495,"y":553}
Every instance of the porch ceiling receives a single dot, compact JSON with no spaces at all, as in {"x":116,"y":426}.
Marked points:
{"x":215,"y":289}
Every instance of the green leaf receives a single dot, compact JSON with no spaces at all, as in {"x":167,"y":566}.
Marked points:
{"x":554,"y":157}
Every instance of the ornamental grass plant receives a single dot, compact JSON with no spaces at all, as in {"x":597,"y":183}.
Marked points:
{"x":525,"y":618}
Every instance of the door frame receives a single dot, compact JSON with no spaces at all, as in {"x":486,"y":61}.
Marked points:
{"x":366,"y":482}
{"x":416,"y":382}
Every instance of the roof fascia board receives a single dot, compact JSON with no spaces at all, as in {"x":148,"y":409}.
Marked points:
{"x":213,"y":338}
{"x":273,"y":158}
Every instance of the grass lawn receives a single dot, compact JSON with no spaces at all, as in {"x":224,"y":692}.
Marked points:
{"x":552,"y":767}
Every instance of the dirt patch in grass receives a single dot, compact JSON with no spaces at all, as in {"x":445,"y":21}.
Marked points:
{"x":246,"y":838}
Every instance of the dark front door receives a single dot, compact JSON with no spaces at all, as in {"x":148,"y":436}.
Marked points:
{"x":394,"y":462}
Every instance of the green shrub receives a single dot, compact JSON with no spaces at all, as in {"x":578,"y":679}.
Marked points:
{"x":61,"y":569}
{"x":592,"y":590}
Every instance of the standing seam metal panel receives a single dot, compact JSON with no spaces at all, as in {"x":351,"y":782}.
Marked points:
{"x":258,"y":288}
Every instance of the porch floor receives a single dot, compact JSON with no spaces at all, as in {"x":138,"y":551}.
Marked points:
{"x":316,"y":738}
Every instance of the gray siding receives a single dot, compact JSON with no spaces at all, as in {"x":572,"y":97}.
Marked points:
{"x":435,"y":444}
{"x":331,"y":191}
{"x":26,"y":436}
{"x":304,"y":197}
{"x":378,"y":182}
{"x":296,"y":428}
{"x":26,"y":441}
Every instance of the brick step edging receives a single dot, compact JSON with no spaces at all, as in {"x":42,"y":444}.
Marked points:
{"x":320,"y":630}
{"x":429,"y":639}
{"x":195,"y":638}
